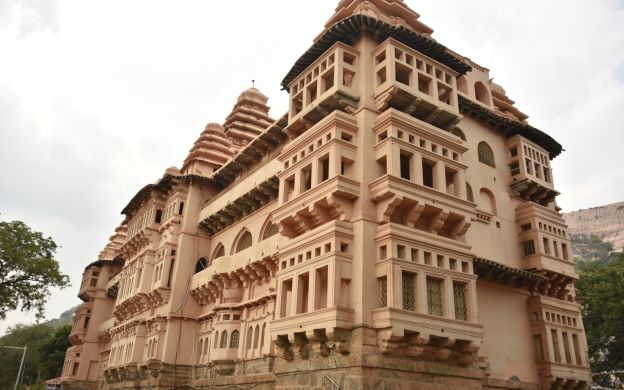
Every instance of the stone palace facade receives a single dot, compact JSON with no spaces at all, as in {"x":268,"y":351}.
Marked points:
{"x":396,"y":229}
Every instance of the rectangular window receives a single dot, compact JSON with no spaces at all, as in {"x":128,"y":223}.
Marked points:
{"x":556,"y":247}
{"x":451,"y":182}
{"x":383,"y":291}
{"x":306,"y":178}
{"x":427,"y":171}
{"x":528,"y":166}
{"x":459,"y":298}
{"x":555,"y":343}
{"x":406,"y":162}
{"x":539,"y":348}
{"x":401,"y":252}
{"x":564,"y":251}
{"x":546,"y":175}
{"x":302,"y":293}
{"x":286,"y":298}
{"x":528,"y":248}
{"x":513,"y":151}
{"x":289,"y":188}
{"x":409,"y":291}
{"x":324,"y":169}
{"x":577,"y":349}
{"x":434,"y":296}
{"x":566,"y":347}
{"x":515,"y":168}
{"x":320,"y":289}
{"x":546,"y":246}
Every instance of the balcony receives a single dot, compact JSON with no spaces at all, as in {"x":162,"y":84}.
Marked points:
{"x":415,"y":84}
{"x":328,"y":84}
{"x":230,"y":272}
{"x":561,"y":351}
{"x":531,"y":175}
{"x":328,"y":200}
{"x":407,"y":203}
{"x":77,"y":336}
{"x":545,"y":245}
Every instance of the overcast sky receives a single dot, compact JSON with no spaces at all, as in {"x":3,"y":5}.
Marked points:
{"x":98,"y":98}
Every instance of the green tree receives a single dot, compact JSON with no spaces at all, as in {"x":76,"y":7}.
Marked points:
{"x":46,"y":346}
{"x":601,"y":290}
{"x":27,"y":269}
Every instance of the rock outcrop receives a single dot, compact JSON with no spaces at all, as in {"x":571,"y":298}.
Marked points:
{"x":606,"y":222}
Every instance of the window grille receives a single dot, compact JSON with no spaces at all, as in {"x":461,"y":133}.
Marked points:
{"x":434,"y":296}
{"x":244,"y":242}
{"x":234,"y":339}
{"x":409,"y":291}
{"x":459,"y":298}
{"x":458,"y":133}
{"x":528,"y":248}
{"x":383,"y":292}
{"x":224,"y":339}
{"x":486,"y":155}
{"x":272,"y":230}
{"x":219,"y":252}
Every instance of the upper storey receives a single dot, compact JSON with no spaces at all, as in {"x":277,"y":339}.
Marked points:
{"x":249,"y":118}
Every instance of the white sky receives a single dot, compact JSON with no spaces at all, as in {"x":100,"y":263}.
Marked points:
{"x":98,"y":98}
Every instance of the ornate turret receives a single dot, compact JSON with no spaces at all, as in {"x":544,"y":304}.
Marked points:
{"x":111,"y":250}
{"x":248,"y":119}
{"x":211,"y":150}
{"x":394,"y":12}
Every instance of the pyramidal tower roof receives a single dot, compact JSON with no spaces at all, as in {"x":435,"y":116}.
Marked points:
{"x":111,"y":250}
{"x":248,"y":119}
{"x":394,"y":12}
{"x":212,"y":148}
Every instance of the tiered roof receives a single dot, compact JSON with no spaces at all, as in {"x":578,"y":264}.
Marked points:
{"x":111,"y":250}
{"x":248,"y":119}
{"x":212,"y":147}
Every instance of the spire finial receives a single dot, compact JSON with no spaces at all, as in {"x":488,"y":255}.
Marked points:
{"x":253,"y":83}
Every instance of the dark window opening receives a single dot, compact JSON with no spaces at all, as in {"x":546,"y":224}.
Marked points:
{"x":158,"y":216}
{"x":427,"y":171}
{"x":405,"y":161}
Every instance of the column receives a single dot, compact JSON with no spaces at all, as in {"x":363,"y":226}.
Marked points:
{"x":417,"y":168}
{"x":439,"y":177}
{"x":421,"y":289}
{"x":448,"y":299}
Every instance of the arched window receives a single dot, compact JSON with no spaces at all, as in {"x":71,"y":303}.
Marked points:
{"x":486,"y":155}
{"x":487,"y":202}
{"x":206,"y":343}
{"x":462,"y":85}
{"x":256,"y":336}
{"x":154,"y":348}
{"x":244,"y":241}
{"x":201,"y":265}
{"x":481,"y":93}
{"x":262,"y":335}
{"x":469,"y":193}
{"x":216,"y":340}
{"x":270,"y":229}
{"x":219,"y":252}
{"x":224,"y":339}
{"x":234,"y":339}
{"x":158,"y":218}
{"x":457,"y":132}
{"x":249,"y":335}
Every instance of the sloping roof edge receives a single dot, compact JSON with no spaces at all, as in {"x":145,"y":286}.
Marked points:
{"x":509,"y":127}
{"x":347,"y":29}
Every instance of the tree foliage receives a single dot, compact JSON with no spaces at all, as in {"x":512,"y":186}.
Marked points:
{"x":45,"y":353}
{"x":601,"y":290}
{"x":27,"y":269}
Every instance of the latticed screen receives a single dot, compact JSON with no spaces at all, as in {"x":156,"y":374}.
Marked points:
{"x":528,"y":248}
{"x":244,"y":242}
{"x":434,"y":296}
{"x":234,"y":339}
{"x":459,"y":298}
{"x":383,"y":292}
{"x":486,"y":155}
{"x":272,"y":230}
{"x":224,"y":339}
{"x":409,"y":291}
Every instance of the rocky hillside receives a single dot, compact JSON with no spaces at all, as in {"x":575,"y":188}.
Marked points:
{"x":605,"y":222}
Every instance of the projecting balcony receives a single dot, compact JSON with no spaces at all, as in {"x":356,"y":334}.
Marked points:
{"x":327,"y":85}
{"x":326,"y":319}
{"x":531,"y":175}
{"x":415,"y":84}
{"x":227,"y":272}
{"x":405,"y":202}
{"x":561,"y":350}
{"x":545,"y":244}
{"x":328,"y":200}
{"x":77,"y":336}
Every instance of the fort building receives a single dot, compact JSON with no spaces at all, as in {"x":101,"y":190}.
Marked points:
{"x":397,"y":228}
